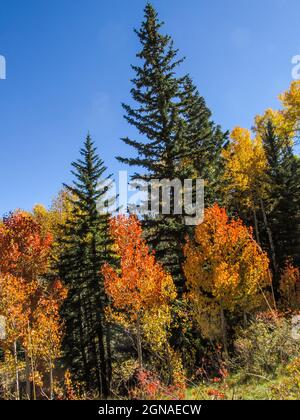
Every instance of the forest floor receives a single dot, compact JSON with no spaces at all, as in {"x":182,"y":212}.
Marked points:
{"x":238,"y":387}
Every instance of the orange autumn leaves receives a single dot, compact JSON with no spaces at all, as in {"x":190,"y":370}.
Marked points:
{"x":24,"y":250}
{"x":224,"y":268}
{"x":289,"y":287}
{"x":141,"y":283}
{"x":29,"y":305}
{"x":15,"y":306}
{"x":140,"y":291}
{"x":24,"y":255}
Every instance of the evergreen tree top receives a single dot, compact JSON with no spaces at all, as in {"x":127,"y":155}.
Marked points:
{"x":89,"y":184}
{"x":157,"y":49}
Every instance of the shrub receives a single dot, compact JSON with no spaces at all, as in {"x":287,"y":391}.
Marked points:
{"x":265,"y":345}
{"x":289,"y":388}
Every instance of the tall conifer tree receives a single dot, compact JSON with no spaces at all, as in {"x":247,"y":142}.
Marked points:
{"x":86,"y":248}
{"x":175,"y":130}
{"x":283,"y":202}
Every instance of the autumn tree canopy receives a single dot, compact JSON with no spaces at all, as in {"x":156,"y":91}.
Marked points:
{"x":141,"y":290}
{"x":225,"y":269}
{"x":29,"y":303}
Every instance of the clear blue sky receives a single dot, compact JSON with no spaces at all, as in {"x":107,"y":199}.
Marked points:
{"x":68,"y":70}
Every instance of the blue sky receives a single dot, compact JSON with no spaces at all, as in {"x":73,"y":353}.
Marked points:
{"x":68,"y":70}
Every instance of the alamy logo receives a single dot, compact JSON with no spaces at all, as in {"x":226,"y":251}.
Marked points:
{"x":296,"y":67}
{"x":296,"y":327}
{"x":2,"y":327}
{"x":2,"y":68}
{"x":154,"y":197}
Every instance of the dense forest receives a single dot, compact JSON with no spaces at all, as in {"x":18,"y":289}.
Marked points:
{"x":96,"y":305}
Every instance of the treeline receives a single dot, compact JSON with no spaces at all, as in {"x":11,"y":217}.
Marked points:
{"x":98,"y":305}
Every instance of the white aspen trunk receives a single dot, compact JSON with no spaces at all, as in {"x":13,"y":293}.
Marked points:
{"x":139,"y":343}
{"x":16,"y":371}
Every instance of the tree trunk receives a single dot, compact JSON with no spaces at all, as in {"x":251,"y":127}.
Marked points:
{"x":245,"y":320}
{"x":270,"y":237}
{"x":256,"y":226}
{"x":16,"y":371}
{"x":108,"y":352}
{"x":108,"y":326}
{"x":139,"y":343}
{"x":99,"y":320}
{"x":51,"y":379}
{"x":224,"y":332}
{"x":27,"y":374}
{"x":103,"y":369}
{"x":170,"y":367}
{"x":82,"y":341}
{"x":32,"y":364}
{"x":96,"y":345}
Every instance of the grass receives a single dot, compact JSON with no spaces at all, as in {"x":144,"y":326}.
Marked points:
{"x":238,"y":387}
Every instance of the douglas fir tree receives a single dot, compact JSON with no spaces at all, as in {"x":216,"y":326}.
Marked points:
{"x":86,"y":247}
{"x":283,"y":199}
{"x":177,"y":139}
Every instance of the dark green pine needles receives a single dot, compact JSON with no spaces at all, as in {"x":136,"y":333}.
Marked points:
{"x":283,"y":197}
{"x":87,"y":246}
{"x":176,"y":137}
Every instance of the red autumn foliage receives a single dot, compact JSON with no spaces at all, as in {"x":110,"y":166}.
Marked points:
{"x":24,"y":249}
